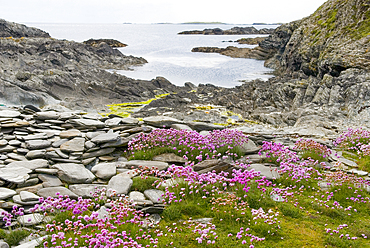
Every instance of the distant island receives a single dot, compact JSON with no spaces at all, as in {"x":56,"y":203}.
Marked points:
{"x":232,"y":31}
{"x":203,"y":23}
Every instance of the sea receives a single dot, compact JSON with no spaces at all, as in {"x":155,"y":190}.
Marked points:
{"x":169,"y":54}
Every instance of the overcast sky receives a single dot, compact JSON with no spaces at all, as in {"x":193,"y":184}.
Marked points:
{"x":155,"y":11}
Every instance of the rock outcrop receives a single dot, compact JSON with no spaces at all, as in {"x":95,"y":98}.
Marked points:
{"x":109,"y":42}
{"x":232,"y":31}
{"x":16,"y":30}
{"x":45,"y":71}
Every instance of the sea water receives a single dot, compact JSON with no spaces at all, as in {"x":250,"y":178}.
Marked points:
{"x":169,"y":54}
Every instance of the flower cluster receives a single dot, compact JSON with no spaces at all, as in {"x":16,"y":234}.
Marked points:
{"x":309,"y":145}
{"x":190,"y":144}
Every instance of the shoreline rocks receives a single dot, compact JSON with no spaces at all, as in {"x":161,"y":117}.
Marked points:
{"x":232,"y":31}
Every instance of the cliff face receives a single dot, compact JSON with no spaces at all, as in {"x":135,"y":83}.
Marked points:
{"x":331,"y":40}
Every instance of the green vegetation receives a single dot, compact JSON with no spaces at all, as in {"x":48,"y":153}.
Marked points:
{"x":14,"y":237}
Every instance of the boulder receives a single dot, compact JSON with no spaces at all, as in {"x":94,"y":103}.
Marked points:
{"x":154,"y":195}
{"x":86,"y":190}
{"x":74,"y":145}
{"x":104,"y":170}
{"x":119,"y":184}
{"x":6,"y":193}
{"x":161,"y":121}
{"x":144,"y":163}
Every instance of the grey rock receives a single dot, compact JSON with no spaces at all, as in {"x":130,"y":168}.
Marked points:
{"x":127,"y":172}
{"x":144,"y":163}
{"x":32,"y":189}
{"x":15,"y":143}
{"x":74,"y":145}
{"x":48,"y":115}
{"x":16,"y":175}
{"x":136,"y":196}
{"x":31,"y":164}
{"x":203,"y":126}
{"x":104,"y":138}
{"x":266,"y":171}
{"x":29,"y":182}
{"x":153,"y":209}
{"x":51,"y":191}
{"x":59,"y":142}
{"x":154,"y":195}
{"x":129,"y":121}
{"x":169,"y":158}
{"x":35,"y":136}
{"x":71,"y":133}
{"x":181,"y":127}
{"x":17,"y":199}
{"x":104,"y":170}
{"x":28,"y":196}
{"x":7,"y":148}
{"x":46,"y":171}
{"x":86,"y":190}
{"x":35,"y":154}
{"x":3,"y":244}
{"x":87,"y":123}
{"x":89,"y":145}
{"x":50,"y":180}
{"x":120,"y":184}
{"x":3,"y":142}
{"x":37,"y":144}
{"x":30,"y":219}
{"x":74,"y":173}
{"x":16,"y":156}
{"x":6,"y":193}
{"x":9,"y":113}
{"x":98,"y":153}
{"x":103,"y":213}
{"x":160,"y":121}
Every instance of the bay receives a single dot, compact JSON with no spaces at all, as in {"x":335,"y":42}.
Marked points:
{"x":169,"y":54}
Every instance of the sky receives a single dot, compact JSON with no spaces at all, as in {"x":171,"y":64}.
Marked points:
{"x":156,"y":11}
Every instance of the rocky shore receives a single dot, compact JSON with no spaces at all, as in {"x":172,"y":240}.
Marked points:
{"x":232,"y":31}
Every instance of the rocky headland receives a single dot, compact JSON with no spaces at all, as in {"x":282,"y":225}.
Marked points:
{"x":49,"y":144}
{"x":232,"y":31}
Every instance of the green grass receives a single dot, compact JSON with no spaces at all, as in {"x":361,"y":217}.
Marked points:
{"x":313,"y":155}
{"x":143,"y":183}
{"x":15,"y":236}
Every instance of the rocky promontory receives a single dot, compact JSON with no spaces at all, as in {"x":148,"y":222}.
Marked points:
{"x":109,"y":42}
{"x":232,"y":31}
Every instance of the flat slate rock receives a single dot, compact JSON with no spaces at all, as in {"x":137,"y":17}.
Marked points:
{"x":35,"y":154}
{"x":51,"y":191}
{"x":104,"y":170}
{"x":74,"y":173}
{"x":17,"y":199}
{"x":86,"y":190}
{"x":120,"y":184}
{"x":87,"y":123}
{"x":71,"y":133}
{"x":16,"y":175}
{"x":9,"y":113}
{"x":161,"y":121}
{"x":98,"y":153}
{"x":37,"y":144}
{"x":30,"y":219}
{"x":28,"y":196}
{"x":48,"y":115}
{"x":203,"y":126}
{"x":154,"y":195}
{"x":169,"y":158}
{"x":50,"y":180}
{"x":144,"y":163}
{"x":107,"y":137}
{"x":6,"y":193}
{"x":31,"y":164}
{"x":136,"y":196}
{"x":74,"y":145}
{"x":181,"y":127}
